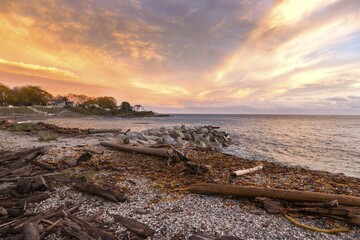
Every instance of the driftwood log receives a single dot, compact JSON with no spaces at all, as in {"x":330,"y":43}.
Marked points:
{"x":161,"y":152}
{"x":95,"y":131}
{"x":81,"y":229}
{"x":37,"y":183}
{"x":31,"y":231}
{"x":140,"y":229}
{"x":246,"y":171}
{"x":22,"y":153}
{"x":331,"y":204}
{"x":291,"y":195}
{"x":105,"y":192}
{"x":166,"y":152}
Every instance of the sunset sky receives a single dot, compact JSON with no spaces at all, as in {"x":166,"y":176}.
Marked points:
{"x":189,"y":56}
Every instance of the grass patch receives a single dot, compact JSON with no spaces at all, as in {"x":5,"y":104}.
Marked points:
{"x":46,"y":137}
{"x":84,"y":175}
{"x":22,"y":127}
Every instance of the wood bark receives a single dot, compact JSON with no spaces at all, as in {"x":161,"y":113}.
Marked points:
{"x":34,"y":184}
{"x":20,"y":154}
{"x":246,"y":171}
{"x":291,"y":195}
{"x":331,"y":204}
{"x":140,"y":229}
{"x":18,"y":225}
{"x":31,"y":231}
{"x":95,"y":131}
{"x":95,"y":232}
{"x":105,"y":192}
{"x":136,"y":149}
{"x":341,"y":211}
{"x":169,"y":152}
{"x":34,"y":198}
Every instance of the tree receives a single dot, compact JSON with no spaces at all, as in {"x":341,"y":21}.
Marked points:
{"x":125,"y":107}
{"x":30,"y":95}
{"x":106,"y":102}
{"x":78,"y":98}
{"x":5,"y":95}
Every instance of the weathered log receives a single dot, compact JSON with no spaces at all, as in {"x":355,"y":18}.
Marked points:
{"x":291,"y":195}
{"x":14,"y":212}
{"x":31,"y":231}
{"x":20,"y":154}
{"x":49,"y":230}
{"x":246,"y":171}
{"x":170,"y":152}
{"x":201,"y":236}
{"x":355,"y":220}
{"x":44,"y":165}
{"x":140,"y":229}
{"x":340,"y":211}
{"x":95,"y":131}
{"x":331,"y":204}
{"x":34,"y":184}
{"x":97,"y":190}
{"x":136,"y":149}
{"x":270,"y":205}
{"x":94,"y":232}
{"x":14,"y":179}
{"x":34,"y":198}
{"x":74,"y":230}
{"x":18,"y":224}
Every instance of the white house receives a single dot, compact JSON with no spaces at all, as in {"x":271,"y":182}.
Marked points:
{"x":138,"y":108}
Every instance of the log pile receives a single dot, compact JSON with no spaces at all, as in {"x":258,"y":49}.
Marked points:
{"x":309,"y":202}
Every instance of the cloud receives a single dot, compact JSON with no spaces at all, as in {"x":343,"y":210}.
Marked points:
{"x":188,"y":54}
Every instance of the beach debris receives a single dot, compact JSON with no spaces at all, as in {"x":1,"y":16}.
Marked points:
{"x":108,"y":192}
{"x":81,"y":229}
{"x":83,"y":158}
{"x":331,"y":231}
{"x":19,"y":162}
{"x":203,"y":236}
{"x":167,"y":152}
{"x":37,"y":183}
{"x":284,"y":194}
{"x":246,"y":171}
{"x":272,"y":206}
{"x":140,"y":229}
{"x":31,"y":231}
{"x":23,"y":153}
{"x":97,"y":131}
{"x":6,"y":123}
{"x":330,"y":204}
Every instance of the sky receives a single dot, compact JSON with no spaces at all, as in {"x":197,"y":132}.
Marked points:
{"x":189,"y":56}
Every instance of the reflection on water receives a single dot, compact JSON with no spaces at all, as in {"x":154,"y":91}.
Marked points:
{"x":328,"y":143}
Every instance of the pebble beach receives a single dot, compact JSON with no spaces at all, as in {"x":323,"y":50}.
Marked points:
{"x":170,"y":213}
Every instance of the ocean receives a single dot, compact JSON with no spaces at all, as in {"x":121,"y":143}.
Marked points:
{"x":330,"y":143}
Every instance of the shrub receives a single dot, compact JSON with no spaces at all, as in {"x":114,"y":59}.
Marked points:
{"x":22,"y":127}
{"x":46,"y":137}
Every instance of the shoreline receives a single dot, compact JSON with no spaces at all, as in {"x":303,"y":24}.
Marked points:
{"x":155,"y":190}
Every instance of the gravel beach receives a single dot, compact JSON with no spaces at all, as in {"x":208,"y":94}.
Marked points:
{"x":172,"y":214}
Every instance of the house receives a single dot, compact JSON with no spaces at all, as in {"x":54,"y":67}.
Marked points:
{"x":138,"y":108}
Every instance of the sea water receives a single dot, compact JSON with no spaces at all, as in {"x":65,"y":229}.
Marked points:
{"x":330,"y":143}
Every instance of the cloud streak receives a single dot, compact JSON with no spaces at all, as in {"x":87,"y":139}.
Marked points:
{"x":271,"y":56}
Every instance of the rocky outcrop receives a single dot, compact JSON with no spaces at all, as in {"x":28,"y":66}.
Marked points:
{"x":196,"y":137}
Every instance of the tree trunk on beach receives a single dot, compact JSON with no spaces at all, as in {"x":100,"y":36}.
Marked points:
{"x":291,"y":195}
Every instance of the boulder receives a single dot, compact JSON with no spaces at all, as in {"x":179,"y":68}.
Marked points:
{"x":180,"y":140}
{"x":169,"y":140}
{"x":200,"y":144}
{"x":204,"y":130}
